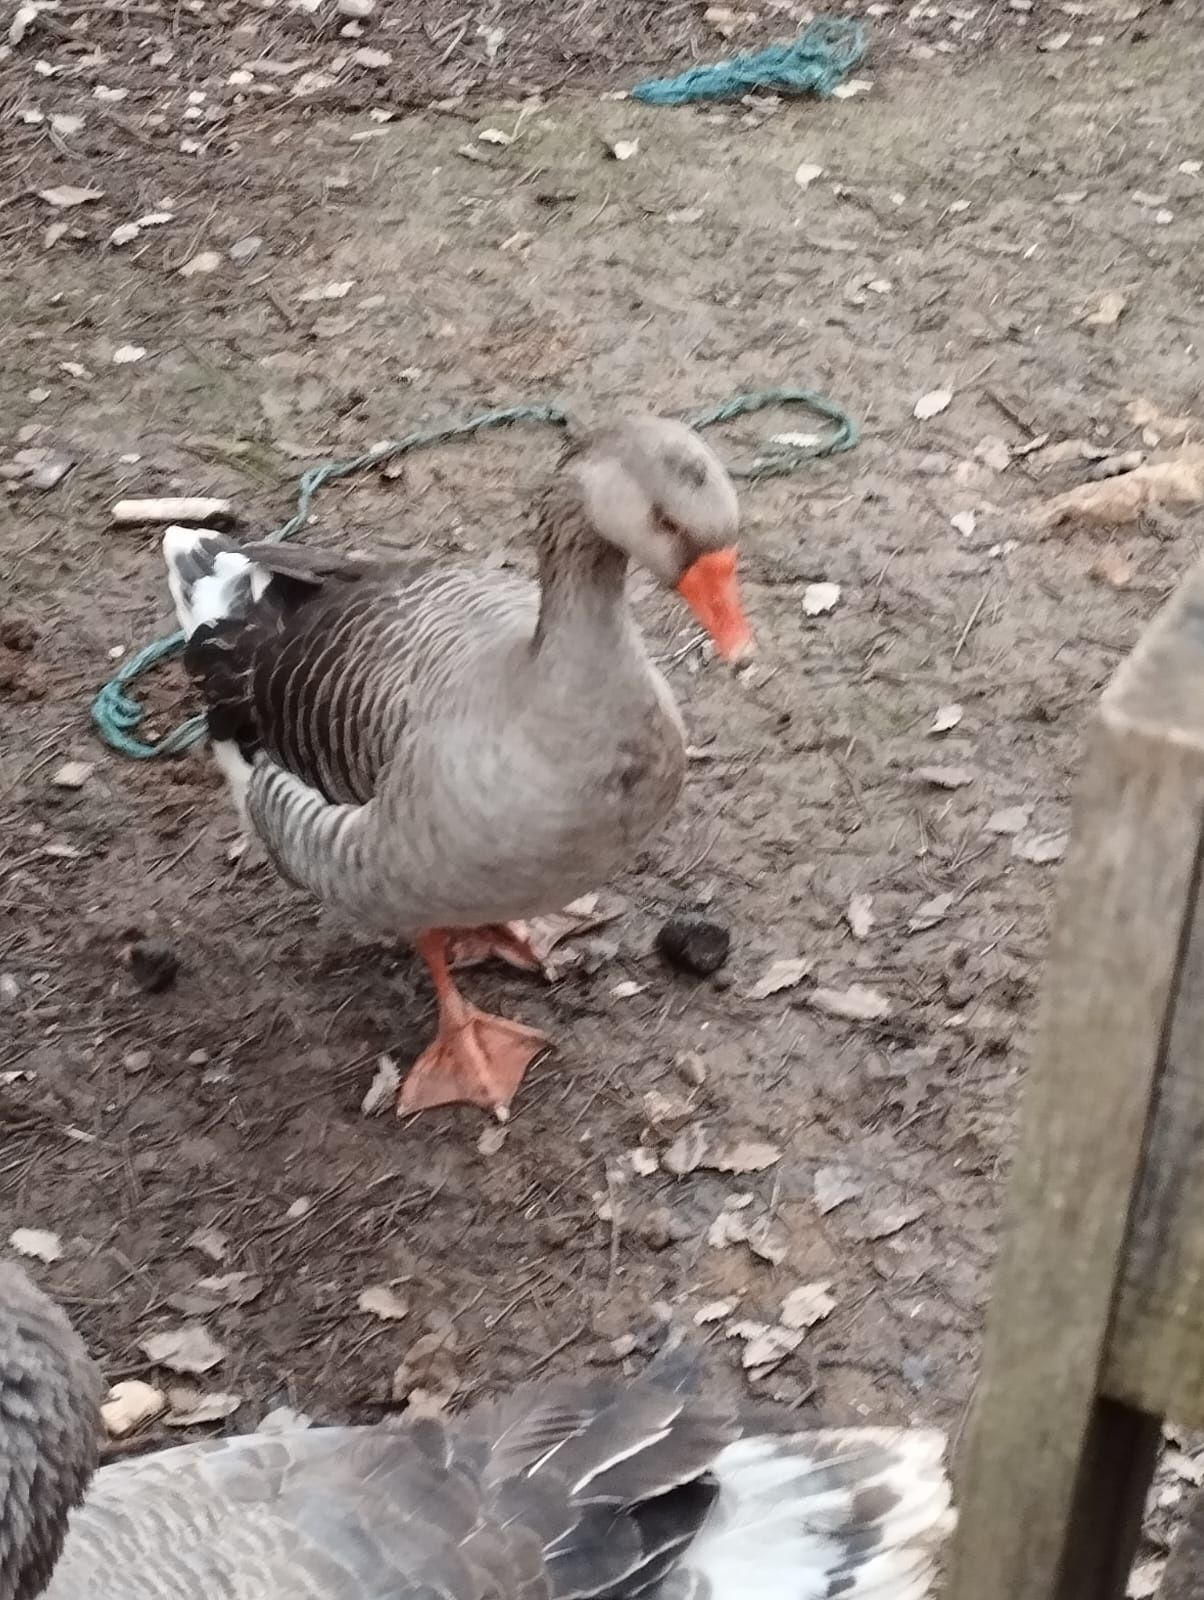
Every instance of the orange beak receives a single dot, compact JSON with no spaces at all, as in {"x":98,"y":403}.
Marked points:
{"x":712,"y":591}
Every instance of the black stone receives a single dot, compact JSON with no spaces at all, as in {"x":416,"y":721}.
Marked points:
{"x":693,"y":945}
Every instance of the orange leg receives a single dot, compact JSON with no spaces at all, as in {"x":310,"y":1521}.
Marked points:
{"x":476,"y":1058}
{"x":508,"y":941}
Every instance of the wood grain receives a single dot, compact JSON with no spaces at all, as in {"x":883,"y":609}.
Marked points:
{"x":1051,"y":1465}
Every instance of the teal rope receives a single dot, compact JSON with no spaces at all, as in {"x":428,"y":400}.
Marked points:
{"x":817,"y":62}
{"x":117,"y":713}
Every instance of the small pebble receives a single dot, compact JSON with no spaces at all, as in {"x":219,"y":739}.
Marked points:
{"x":136,"y":1060}
{"x":198,"y":1058}
{"x":153,"y":964}
{"x":692,"y":945}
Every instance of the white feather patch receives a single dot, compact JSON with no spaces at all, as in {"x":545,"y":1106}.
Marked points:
{"x":779,"y":1516}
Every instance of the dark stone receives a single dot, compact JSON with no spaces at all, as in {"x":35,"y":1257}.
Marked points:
{"x":693,"y":945}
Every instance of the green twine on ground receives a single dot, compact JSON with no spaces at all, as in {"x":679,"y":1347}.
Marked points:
{"x":117,"y":713}
{"x":817,"y":62}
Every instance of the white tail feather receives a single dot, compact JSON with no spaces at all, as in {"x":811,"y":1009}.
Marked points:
{"x":800,"y":1512}
{"x":209,"y":583}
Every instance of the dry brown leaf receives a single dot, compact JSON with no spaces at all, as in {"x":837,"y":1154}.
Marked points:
{"x":381,"y":1301}
{"x":1177,"y":481}
{"x":1011,"y":820}
{"x":946,"y":777}
{"x":746,"y":1155}
{"x":1109,"y":309}
{"x":686,"y":1152}
{"x":190,"y":1348}
{"x":808,"y":1304}
{"x":994,"y":453}
{"x":40,"y":1244}
{"x":129,"y":1405}
{"x":382,"y":1091}
{"x":189,"y":1408}
{"x":211,"y":1242}
{"x":766,"y":1240}
{"x":854,"y":1004}
{"x":66,"y":195}
{"x":780,"y":975}
{"x":765,"y":1345}
{"x":835,"y":1186}
{"x":946,"y":718}
{"x":715,"y":1311}
{"x":930,"y":912}
{"x":1041,"y":847}
{"x":859,"y":914}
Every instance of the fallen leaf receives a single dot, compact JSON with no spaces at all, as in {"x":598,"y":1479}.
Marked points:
{"x":1177,"y":481}
{"x":747,"y":1155}
{"x":124,"y":233}
{"x":780,"y":975}
{"x":190,"y":1348}
{"x":379,"y":1301}
{"x":686,"y":1152}
{"x":946,"y":718}
{"x":1191,"y":169}
{"x":371,"y":58}
{"x":946,"y":777}
{"x":932,"y":403}
{"x":929,"y":913}
{"x":206,"y":261}
{"x":38,"y":1243}
{"x":73,"y":774}
{"x":24,"y":18}
{"x":129,"y":1405}
{"x":66,"y":124}
{"x":1011,"y":820}
{"x":429,"y":1365}
{"x":819,"y":598}
{"x":245,"y":249}
{"x":730,"y":1227}
{"x":211,"y":1242}
{"x":66,"y":195}
{"x":1055,"y":41}
{"x":715,"y":1311}
{"x":383,"y":1089}
{"x":767,"y":1241}
{"x":835,"y":1186}
{"x":495,"y":136}
{"x":859,"y":914}
{"x":624,"y":149}
{"x":188,"y":1408}
{"x":209,"y":1294}
{"x":854,"y":1004}
{"x":806,"y":173}
{"x":882,"y":1222}
{"x":329,"y":291}
{"x":1109,"y":309}
{"x":851,"y":87}
{"x":643,"y":1162}
{"x":808,"y":1304}
{"x":1041,"y":847}
{"x":765,"y":1346}
{"x":126,"y":353}
{"x":965,"y":522}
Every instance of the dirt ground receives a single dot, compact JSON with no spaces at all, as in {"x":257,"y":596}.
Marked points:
{"x":979,"y":217}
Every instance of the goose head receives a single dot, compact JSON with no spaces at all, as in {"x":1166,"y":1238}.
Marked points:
{"x":50,"y":1395}
{"x":652,"y":488}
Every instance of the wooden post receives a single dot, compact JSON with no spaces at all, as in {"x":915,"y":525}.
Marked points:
{"x":1096,"y":1328}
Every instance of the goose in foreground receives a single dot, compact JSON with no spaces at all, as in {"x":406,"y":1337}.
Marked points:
{"x":566,"y":1490}
{"x":440,"y":752}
